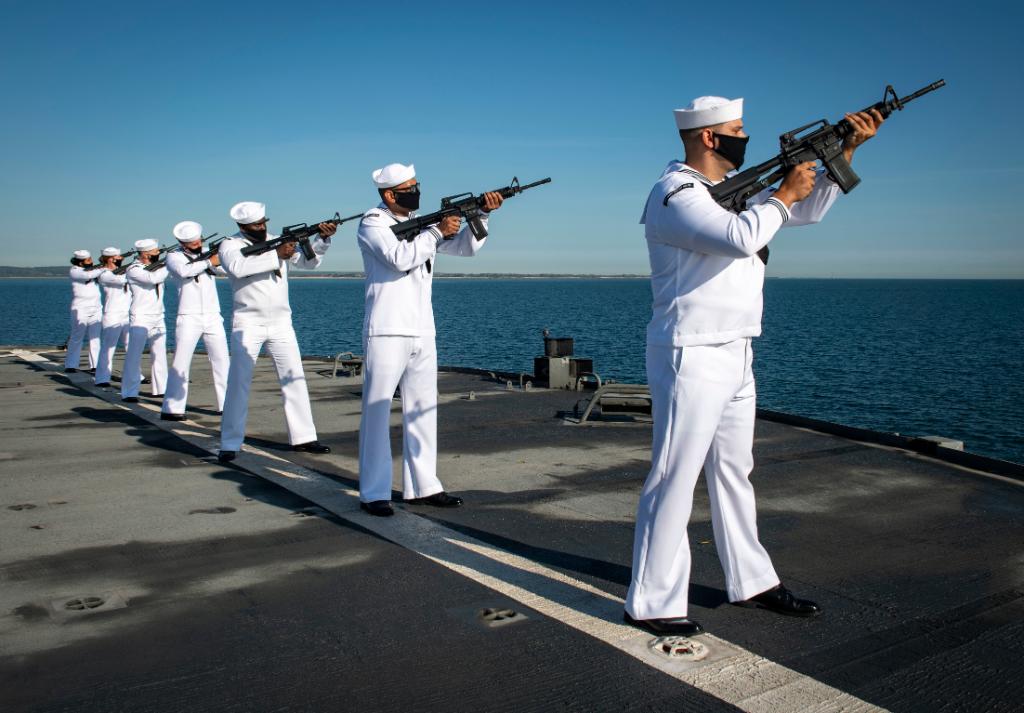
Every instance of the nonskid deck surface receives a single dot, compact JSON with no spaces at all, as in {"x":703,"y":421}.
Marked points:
{"x":262,"y":586}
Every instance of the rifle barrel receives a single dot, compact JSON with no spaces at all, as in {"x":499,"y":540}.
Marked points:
{"x":541,"y":182}
{"x":924,"y":90}
{"x":339,"y":221}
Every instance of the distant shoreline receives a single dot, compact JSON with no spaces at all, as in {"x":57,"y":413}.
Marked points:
{"x":526,"y":276}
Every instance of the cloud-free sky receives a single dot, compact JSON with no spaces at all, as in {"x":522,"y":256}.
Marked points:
{"x":120,"y":119}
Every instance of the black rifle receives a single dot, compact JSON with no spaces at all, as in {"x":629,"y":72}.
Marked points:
{"x":824,"y":143}
{"x":299,"y":233}
{"x":160,"y":259}
{"x":76,"y":263}
{"x":124,"y":266}
{"x":211,"y":249}
{"x":466,"y":205}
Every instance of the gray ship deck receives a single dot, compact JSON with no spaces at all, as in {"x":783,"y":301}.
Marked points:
{"x":262,"y":587}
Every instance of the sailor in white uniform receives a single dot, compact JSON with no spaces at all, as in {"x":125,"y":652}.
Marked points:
{"x":707,"y":272}
{"x":117,"y":301}
{"x":263,"y":316}
{"x":198,"y":317}
{"x":398,"y":341}
{"x":86,"y":310}
{"x":146,"y":320}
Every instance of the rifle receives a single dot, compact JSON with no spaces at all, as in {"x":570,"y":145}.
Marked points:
{"x":299,"y":233}
{"x":94,"y":266}
{"x":464,"y":204}
{"x":824,"y":144}
{"x":124,"y":266}
{"x":160,"y":259}
{"x":211,"y":249}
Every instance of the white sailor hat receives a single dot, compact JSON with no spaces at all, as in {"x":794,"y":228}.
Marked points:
{"x":248,"y":212}
{"x":188,"y":230}
{"x":82,"y":254}
{"x":708,"y":111}
{"x":147,"y":244}
{"x":393,"y":175}
{"x":111,"y":252}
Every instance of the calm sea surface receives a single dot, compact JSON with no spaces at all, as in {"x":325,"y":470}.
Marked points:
{"x":920,"y":357}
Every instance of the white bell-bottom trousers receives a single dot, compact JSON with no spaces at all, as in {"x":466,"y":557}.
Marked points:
{"x":114,"y":331}
{"x":143,"y":331}
{"x":85,"y":324}
{"x":188,"y":330}
{"x":703,"y":405}
{"x":412,"y":363}
{"x":246,"y":343}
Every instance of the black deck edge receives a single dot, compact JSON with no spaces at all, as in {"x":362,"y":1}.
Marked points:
{"x":995,"y":466}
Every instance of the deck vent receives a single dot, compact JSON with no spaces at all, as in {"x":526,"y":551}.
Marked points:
{"x":679,"y":648}
{"x":493,"y":618}
{"x":84,"y":603}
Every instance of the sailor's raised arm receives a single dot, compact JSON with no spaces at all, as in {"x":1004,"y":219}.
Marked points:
{"x":686,"y":216}
{"x":180,"y":266}
{"x":141,"y":276}
{"x":376,"y":237}
{"x":237,"y":265}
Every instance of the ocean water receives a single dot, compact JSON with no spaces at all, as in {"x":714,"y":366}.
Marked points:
{"x":918,"y":357}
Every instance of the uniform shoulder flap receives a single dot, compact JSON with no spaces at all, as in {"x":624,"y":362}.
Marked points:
{"x":377,"y":217}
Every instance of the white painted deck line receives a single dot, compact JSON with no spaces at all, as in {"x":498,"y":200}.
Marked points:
{"x":730,"y":673}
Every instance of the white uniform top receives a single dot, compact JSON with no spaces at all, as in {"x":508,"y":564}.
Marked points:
{"x":705,"y":273}
{"x":399,"y":273}
{"x":147,"y":291}
{"x":197,"y":290}
{"x":85,"y":293}
{"x":117,"y":300}
{"x":259,"y":283}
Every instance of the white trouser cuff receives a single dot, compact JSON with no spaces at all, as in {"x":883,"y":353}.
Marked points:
{"x":742,"y":591}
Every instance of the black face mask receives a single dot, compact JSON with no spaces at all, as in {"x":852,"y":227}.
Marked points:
{"x":257,"y":236}
{"x":732,"y":148}
{"x":410,"y":199}
{"x":117,"y":263}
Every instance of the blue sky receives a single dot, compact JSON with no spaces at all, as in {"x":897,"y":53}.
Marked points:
{"x":120,"y":119}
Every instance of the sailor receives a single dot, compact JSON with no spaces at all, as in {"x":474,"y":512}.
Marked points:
{"x":146,"y":324}
{"x":398,"y":341}
{"x":117,"y":300}
{"x":262,"y":315}
{"x":198,"y":317}
{"x":86,"y":310}
{"x":707,"y":272}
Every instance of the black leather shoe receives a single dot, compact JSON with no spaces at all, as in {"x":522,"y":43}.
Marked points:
{"x":145,"y":380}
{"x":781,"y":601}
{"x":157,"y":396}
{"x":70,"y":371}
{"x":380,"y":508}
{"x":131,"y":399}
{"x":438,"y":500}
{"x":103,"y":385}
{"x":680,"y":626}
{"x":312,"y":447}
{"x":226,"y":456}
{"x":172,"y":416}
